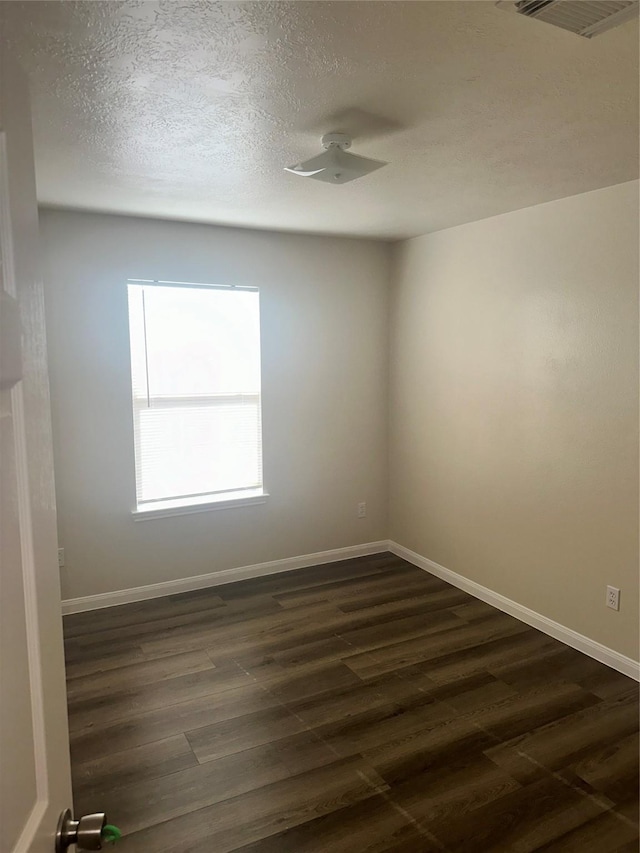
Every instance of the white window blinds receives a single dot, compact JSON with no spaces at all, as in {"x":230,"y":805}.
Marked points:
{"x":195,"y":369}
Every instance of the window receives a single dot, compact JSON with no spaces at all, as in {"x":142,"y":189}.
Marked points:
{"x":195,"y":371}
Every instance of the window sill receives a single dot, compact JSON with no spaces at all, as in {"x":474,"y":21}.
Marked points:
{"x":207,"y":506}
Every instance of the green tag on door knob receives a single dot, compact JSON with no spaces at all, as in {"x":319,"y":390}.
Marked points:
{"x":111,"y":833}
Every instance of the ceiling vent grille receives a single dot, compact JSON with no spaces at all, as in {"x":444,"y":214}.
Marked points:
{"x":586,"y":18}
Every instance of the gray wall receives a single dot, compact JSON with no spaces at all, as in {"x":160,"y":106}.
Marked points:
{"x":324,"y":361}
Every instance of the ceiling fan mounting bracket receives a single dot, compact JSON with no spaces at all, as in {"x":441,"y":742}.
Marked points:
{"x":339,"y":140}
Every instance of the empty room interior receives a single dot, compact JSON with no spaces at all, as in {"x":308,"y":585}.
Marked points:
{"x":320,"y":419}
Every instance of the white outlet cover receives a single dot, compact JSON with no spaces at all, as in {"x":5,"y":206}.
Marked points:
{"x":613,"y":597}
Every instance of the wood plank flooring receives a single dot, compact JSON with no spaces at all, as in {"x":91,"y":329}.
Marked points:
{"x":359,"y":706}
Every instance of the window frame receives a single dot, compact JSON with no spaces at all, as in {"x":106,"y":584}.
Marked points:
{"x":189,"y":504}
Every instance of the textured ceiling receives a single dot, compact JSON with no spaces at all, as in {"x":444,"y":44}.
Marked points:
{"x":190,"y":110}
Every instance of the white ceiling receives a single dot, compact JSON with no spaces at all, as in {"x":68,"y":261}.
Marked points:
{"x":190,"y":110}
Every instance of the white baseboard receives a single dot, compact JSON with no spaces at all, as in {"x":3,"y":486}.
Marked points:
{"x":157,"y":590}
{"x":617,"y":661}
{"x":583,"y":644}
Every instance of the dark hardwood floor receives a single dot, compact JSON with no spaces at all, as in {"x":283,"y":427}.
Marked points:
{"x":359,"y":706}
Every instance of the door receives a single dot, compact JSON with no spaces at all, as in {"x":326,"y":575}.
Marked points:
{"x":34,"y":742}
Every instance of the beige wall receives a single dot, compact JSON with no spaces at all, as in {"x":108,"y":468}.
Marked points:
{"x":514,"y":407}
{"x":513,"y":401}
{"x":324,"y":341}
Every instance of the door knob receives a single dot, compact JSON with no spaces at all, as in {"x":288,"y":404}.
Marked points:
{"x":88,"y":833}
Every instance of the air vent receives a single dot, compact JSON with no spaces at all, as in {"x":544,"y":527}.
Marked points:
{"x":586,"y":18}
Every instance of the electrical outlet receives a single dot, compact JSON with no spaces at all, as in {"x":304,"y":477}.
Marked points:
{"x":362,"y":509}
{"x":613,"y":597}
{"x":60,"y":558}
